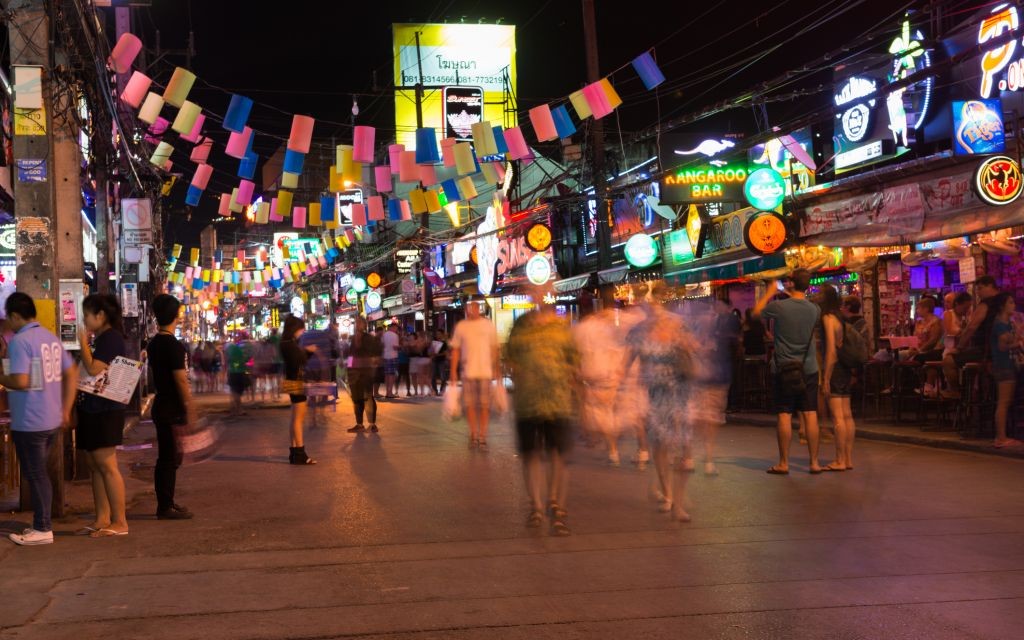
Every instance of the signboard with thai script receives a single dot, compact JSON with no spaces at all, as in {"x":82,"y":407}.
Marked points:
{"x":895,"y":203}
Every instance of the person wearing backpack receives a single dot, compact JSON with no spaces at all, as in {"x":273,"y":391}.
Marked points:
{"x":845,"y":350}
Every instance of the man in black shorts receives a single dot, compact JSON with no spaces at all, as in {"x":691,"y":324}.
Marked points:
{"x":364,"y":357}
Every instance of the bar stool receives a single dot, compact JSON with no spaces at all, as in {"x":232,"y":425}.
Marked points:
{"x":754,"y":383}
{"x":942,"y":405}
{"x":874,"y":380}
{"x":976,"y":409}
{"x":905,"y":388}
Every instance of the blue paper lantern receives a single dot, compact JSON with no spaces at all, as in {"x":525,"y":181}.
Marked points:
{"x":238,"y":113}
{"x":426,"y":146}
{"x":451,"y":190}
{"x":247,"y":166}
{"x":293,"y":161}
{"x":394,"y":209}
{"x":218,"y":255}
{"x":499,"y":139}
{"x":563,"y":122}
{"x":648,"y":70}
{"x":327,"y":208}
{"x":197,"y":283}
{"x":193,"y":196}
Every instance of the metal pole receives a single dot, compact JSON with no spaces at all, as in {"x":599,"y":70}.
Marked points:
{"x":428,"y":292}
{"x":604,"y":258}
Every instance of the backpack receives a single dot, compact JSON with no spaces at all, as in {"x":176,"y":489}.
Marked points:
{"x":854,"y":352}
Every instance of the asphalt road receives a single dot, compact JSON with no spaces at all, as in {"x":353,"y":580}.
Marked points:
{"x":408,"y":534}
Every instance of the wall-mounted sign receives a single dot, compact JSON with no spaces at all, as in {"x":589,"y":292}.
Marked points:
{"x":978,"y":127}
{"x":346,"y":199}
{"x":697,"y":224}
{"x":997,"y":181}
{"x":359,"y":285}
{"x":857,"y":98}
{"x":765,"y":189}
{"x":517,"y":302}
{"x":861,"y":155}
{"x":538,"y":269}
{"x":538,"y":237}
{"x":373,"y":280}
{"x":765,"y":233}
{"x":405,"y":258}
{"x":1003,"y":19}
{"x":641,"y":250}
{"x":373,"y":300}
{"x":908,"y":107}
{"x":7,"y":240}
{"x":463,"y":107}
{"x":352,"y":296}
{"x":679,"y":249}
{"x":705,"y":183}
{"x":297,"y":307}
{"x":783,"y":154}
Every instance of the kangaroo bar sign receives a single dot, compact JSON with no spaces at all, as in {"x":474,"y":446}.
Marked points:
{"x":705,"y":183}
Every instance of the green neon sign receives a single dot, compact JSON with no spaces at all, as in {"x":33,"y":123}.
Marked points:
{"x":765,"y":189}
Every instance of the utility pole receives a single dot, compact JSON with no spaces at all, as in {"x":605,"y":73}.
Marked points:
{"x":428,"y":291}
{"x":604,"y":243}
{"x":47,"y":192}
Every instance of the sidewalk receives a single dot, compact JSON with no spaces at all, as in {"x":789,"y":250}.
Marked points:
{"x":891,"y":431}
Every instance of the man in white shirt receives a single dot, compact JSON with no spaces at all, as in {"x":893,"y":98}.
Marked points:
{"x":474,"y":347}
{"x":390,"y":342}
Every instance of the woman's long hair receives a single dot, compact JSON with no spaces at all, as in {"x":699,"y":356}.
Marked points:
{"x":108,"y":304}
{"x":292,"y":324}
{"x":829,"y":301}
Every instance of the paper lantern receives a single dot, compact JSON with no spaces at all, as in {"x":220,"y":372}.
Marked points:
{"x":382,"y":178}
{"x":648,"y":70}
{"x":192,"y":135}
{"x":543,"y":123}
{"x":224,"y":210}
{"x":451,"y":190}
{"x":289,"y":180}
{"x":448,"y":152}
{"x":343,"y":157}
{"x":193,"y":196}
{"x":580,"y":104}
{"x":426,"y":146}
{"x":274,"y":215}
{"x":201,"y":152}
{"x":238,"y":113}
{"x":294,"y":161}
{"x":563,"y":122}
{"x":597,"y":99}
{"x":427,"y":174}
{"x":362,"y":144}
{"x":433,"y":201}
{"x":408,"y":171}
{"x":159,"y":127}
{"x":358,"y":214}
{"x":466,"y":188}
{"x":335,"y":183}
{"x":465,"y":163}
{"x":517,"y":147}
{"x":418,"y":200}
{"x":238,"y":143}
{"x":161,"y":154}
{"x":490,"y":174}
{"x":136,"y":89}
{"x":194,"y":255}
{"x":483,"y":139}
{"x":124,"y":52}
{"x":150,"y":110}
{"x":301,"y":134}
{"x":375,"y":206}
{"x":201,"y":177}
{"x":314,"y":214}
{"x":614,"y":101}
{"x":284,"y":203}
{"x":186,"y":118}
{"x":299,"y":218}
{"x":247,"y":166}
{"x":233,"y":206}
{"x":395,"y":209}
{"x":263,"y":213}
{"x":244,"y":195}
{"x":167,"y":167}
{"x":217,"y":273}
{"x":179,"y":86}
{"x":327,"y":207}
{"x":394,"y":156}
{"x":354,"y":173}
{"x":499,"y":139}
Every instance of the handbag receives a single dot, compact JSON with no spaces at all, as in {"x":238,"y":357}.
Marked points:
{"x":791,"y":373}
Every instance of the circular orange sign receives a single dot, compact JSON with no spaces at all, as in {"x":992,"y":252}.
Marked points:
{"x":373,"y":280}
{"x":765,"y":233}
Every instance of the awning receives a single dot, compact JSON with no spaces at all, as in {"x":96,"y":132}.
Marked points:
{"x":615,"y":275}
{"x":569,"y":285}
{"x":736,"y":269}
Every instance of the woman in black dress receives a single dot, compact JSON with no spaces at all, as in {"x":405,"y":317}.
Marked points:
{"x":295,"y":358}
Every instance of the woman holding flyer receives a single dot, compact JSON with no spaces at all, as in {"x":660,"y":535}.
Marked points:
{"x":101,"y":421}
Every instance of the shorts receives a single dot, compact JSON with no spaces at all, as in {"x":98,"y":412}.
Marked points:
{"x":391,"y":367}
{"x":841,"y":382}
{"x":476,"y":393}
{"x":803,"y":402}
{"x":543,"y":434}
{"x":297,"y":398}
{"x":238,"y":382}
{"x":99,"y":430}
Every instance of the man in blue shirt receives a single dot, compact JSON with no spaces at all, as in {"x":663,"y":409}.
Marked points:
{"x":42,"y":383}
{"x":795,"y":319}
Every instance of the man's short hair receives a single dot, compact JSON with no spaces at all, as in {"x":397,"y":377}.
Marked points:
{"x":927,"y":302}
{"x":801,"y":280}
{"x":165,"y":309}
{"x":986,"y":281}
{"x":21,"y":304}
{"x":852,"y":304}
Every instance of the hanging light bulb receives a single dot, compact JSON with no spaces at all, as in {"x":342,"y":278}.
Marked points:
{"x":355,"y":107}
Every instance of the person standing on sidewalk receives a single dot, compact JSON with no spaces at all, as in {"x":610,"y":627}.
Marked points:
{"x":390,"y":343}
{"x":795,"y":319}
{"x":474,"y":348}
{"x":364,"y":355}
{"x":295,"y":358}
{"x":100,"y":428}
{"x":172,"y":405}
{"x":41,"y":386}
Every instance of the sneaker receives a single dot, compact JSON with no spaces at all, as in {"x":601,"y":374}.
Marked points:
{"x":357,"y":429}
{"x":174,"y":512}
{"x":31,"y":537}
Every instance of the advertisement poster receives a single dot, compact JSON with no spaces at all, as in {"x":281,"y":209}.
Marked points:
{"x":463,"y":107}
{"x":130,"y":299}
{"x":68,"y":312}
{"x":117,"y":382}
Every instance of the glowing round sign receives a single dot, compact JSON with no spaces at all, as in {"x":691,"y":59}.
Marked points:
{"x":765,"y":233}
{"x":297,"y":306}
{"x":352,"y":296}
{"x":373,"y":280}
{"x":538,"y":269}
{"x":765,"y":189}
{"x":538,"y":237}
{"x":998,"y":181}
{"x":373,"y":300}
{"x":641,"y":250}
{"x":359,"y":285}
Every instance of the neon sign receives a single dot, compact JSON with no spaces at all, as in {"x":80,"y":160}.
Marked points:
{"x":908,"y":107}
{"x":704,"y":184}
{"x":978,"y":127}
{"x":998,"y":181}
{"x":765,"y":189}
{"x":1003,"y":19}
{"x":641,"y":250}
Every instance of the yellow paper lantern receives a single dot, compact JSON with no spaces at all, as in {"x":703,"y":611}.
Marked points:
{"x":464,"y":162}
{"x":150,"y":110}
{"x":186,"y":118}
{"x":289,"y":180}
{"x":314,"y":214}
{"x":580,"y":104}
{"x":613,"y":97}
{"x":433,"y":201}
{"x":467,"y":188}
{"x":284,"y":204}
{"x":180,"y":84}
{"x":418,"y":200}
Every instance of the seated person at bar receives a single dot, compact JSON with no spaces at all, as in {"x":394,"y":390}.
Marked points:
{"x":972,"y":345}
{"x":928,"y":331}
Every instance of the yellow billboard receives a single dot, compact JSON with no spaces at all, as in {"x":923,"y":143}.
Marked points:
{"x":468,"y":72}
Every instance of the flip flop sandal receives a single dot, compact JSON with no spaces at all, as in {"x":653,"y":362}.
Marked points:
{"x":834,"y":468}
{"x":535,"y":519}
{"x":86,"y":531}
{"x":777,"y":472}
{"x":559,"y":528}
{"x":557,"y":512}
{"x":107,"y":533}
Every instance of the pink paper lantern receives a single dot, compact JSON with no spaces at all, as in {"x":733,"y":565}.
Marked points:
{"x":376,"y":207}
{"x":299,"y":218}
{"x":159,"y":127}
{"x":225,"y":205}
{"x":543,"y":123}
{"x":406,"y":210}
{"x":244,"y":197}
{"x":427,"y":174}
{"x":395,"y":155}
{"x":448,"y":152}
{"x":197,"y":128}
{"x":136,"y":89}
{"x":382,"y":177}
{"x":517,"y":147}
{"x":301,"y":135}
{"x":274,"y":215}
{"x":358,"y":214}
{"x":238,"y":143}
{"x":408,"y":170}
{"x":597,"y":99}
{"x":362,"y":144}
{"x":201,"y":152}
{"x":202,"y":176}
{"x":124,"y":53}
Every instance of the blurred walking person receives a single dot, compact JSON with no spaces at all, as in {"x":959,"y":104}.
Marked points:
{"x":602,"y":351}
{"x":295,"y":358}
{"x":544,"y":360}
{"x":363,"y":359}
{"x":239,"y":378}
{"x":474,"y":346}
